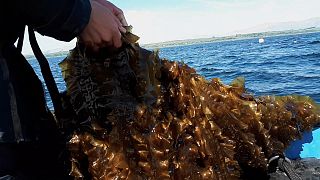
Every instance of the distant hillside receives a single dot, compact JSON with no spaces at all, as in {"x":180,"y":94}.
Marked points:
{"x":232,"y":37}
{"x":48,"y":55}
{"x":282,"y":26}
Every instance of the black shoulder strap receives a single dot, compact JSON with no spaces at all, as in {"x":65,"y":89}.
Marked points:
{"x":46,"y":73}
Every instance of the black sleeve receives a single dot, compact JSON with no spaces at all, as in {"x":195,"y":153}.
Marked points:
{"x":60,"y":19}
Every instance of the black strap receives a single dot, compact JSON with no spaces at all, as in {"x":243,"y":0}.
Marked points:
{"x":285,"y":165}
{"x":46,"y":73}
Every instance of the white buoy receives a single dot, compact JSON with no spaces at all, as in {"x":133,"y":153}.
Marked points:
{"x":261,"y":40}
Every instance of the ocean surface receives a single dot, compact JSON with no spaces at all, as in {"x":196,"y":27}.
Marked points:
{"x":282,"y":65}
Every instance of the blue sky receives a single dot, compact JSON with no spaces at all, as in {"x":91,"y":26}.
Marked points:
{"x":165,"y":20}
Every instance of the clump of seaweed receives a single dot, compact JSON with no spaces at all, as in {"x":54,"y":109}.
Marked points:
{"x":142,"y":117}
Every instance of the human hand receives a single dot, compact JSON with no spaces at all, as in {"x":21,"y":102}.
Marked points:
{"x":115,"y":10}
{"x":104,"y":27}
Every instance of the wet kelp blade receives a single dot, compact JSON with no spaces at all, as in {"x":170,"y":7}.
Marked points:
{"x":142,"y":117}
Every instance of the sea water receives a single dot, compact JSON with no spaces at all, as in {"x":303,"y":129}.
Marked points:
{"x":282,"y":65}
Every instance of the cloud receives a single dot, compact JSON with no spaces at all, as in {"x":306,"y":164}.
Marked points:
{"x":202,"y":18}
{"x":216,"y":17}
{"x":158,"y":26}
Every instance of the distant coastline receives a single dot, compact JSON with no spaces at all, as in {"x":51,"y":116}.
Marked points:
{"x":206,"y":40}
{"x":229,"y":38}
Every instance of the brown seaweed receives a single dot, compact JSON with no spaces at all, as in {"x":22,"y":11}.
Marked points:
{"x":142,"y":117}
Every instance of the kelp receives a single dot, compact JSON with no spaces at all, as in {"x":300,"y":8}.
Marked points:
{"x":137,"y":116}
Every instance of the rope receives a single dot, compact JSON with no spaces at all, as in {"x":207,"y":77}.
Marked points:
{"x":285,"y":165}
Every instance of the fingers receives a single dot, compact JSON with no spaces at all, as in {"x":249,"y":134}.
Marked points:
{"x":117,"y":40}
{"x":122,"y":19}
{"x":95,"y":42}
{"x":122,"y":29}
{"x":95,"y":48}
{"x":120,"y":15}
{"x":120,"y":26}
{"x":117,"y":21}
{"x":115,"y":34}
{"x":115,"y":10}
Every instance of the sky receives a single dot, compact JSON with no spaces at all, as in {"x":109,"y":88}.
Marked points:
{"x":165,"y":20}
